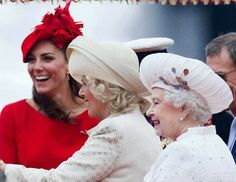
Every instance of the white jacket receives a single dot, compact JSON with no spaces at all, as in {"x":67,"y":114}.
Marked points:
{"x":199,"y":155}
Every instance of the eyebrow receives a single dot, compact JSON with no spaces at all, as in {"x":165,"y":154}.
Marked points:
{"x":156,"y":99}
{"x":47,"y":53}
{"x":43,"y":54}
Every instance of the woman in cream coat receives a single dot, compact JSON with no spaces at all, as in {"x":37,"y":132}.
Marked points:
{"x":123,"y":146}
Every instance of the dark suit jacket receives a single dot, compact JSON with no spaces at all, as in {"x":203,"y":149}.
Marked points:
{"x":222,"y":122}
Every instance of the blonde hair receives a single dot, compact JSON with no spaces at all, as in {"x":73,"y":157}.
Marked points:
{"x":119,"y":99}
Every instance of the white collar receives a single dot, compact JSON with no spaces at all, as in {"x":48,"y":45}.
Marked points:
{"x":200,"y":130}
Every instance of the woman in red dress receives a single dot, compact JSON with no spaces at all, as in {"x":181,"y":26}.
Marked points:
{"x":48,"y":128}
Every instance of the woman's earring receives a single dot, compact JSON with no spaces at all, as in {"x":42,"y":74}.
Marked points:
{"x":68,"y":76}
{"x":181,"y":118}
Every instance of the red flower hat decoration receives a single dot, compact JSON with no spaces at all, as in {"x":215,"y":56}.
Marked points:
{"x":59,"y":27}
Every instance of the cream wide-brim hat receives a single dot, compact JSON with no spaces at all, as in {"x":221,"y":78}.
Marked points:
{"x":173,"y":72}
{"x":109,"y":61}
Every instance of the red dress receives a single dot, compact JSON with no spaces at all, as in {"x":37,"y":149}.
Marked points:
{"x":32,"y":139}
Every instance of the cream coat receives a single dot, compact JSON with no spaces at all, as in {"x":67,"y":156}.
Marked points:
{"x":121,"y":148}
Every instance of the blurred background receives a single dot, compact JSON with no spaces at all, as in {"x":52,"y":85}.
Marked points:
{"x":190,"y":26}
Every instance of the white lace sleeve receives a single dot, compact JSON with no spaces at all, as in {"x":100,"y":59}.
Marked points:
{"x":93,"y":162}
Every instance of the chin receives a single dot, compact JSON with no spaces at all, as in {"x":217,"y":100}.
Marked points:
{"x":43,"y":91}
{"x":158,"y":132}
{"x":39,"y":91}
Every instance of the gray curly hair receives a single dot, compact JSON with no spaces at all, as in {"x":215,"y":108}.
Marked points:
{"x":198,"y":106}
{"x":119,"y":99}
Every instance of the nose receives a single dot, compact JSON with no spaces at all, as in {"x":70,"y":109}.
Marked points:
{"x":38,"y":65}
{"x":149,"y":112}
{"x":81,"y":91}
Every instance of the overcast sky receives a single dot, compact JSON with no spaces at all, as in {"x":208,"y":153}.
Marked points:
{"x":102,"y":21}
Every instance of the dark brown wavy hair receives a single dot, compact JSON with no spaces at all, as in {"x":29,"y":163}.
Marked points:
{"x":50,"y":108}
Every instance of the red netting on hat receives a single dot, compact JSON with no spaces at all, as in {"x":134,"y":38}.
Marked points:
{"x":59,"y":27}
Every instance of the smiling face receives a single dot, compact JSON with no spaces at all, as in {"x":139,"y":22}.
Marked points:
{"x":47,"y":67}
{"x":96,"y":108}
{"x":164,"y":116}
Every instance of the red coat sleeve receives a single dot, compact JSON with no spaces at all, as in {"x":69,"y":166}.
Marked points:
{"x":8,"y":149}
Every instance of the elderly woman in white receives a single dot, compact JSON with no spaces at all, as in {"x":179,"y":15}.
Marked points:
{"x":185,"y":92}
{"x":123,"y":146}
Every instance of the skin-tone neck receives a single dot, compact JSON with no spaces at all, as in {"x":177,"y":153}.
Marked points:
{"x":68,"y":102}
{"x":105,"y":113}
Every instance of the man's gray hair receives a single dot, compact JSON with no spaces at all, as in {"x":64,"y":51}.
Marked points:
{"x":227,"y":41}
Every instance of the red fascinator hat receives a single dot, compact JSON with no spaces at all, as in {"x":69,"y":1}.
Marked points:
{"x":59,"y":27}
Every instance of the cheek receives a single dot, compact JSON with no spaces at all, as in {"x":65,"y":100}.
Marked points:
{"x":58,"y":70}
{"x":161,"y":111}
{"x":158,"y":112}
{"x":88,"y":94}
{"x":233,"y":90}
{"x":232,"y":87}
{"x":167,"y":115}
{"x":30,"y":70}
{"x":56,"y":67}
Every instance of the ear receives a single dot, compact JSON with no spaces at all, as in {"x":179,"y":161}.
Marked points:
{"x":185,"y":111}
{"x":67,"y":69}
{"x":232,"y":87}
